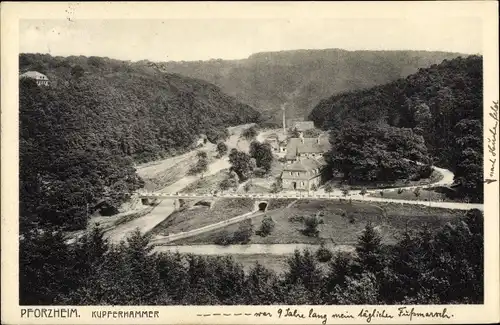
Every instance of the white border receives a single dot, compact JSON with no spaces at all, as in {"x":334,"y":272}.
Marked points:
{"x":11,"y":13}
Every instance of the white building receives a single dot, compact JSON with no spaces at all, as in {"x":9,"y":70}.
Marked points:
{"x":40,"y":78}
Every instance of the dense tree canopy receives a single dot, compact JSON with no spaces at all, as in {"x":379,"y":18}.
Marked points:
{"x":80,"y":136}
{"x":370,"y":152}
{"x":442,"y":103}
{"x":440,"y":267}
{"x":263,"y":155}
{"x":301,"y":78}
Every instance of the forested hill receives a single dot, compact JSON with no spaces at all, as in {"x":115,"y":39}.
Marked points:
{"x":80,"y":137}
{"x":301,"y":78}
{"x":443,"y":103}
{"x":135,"y":108}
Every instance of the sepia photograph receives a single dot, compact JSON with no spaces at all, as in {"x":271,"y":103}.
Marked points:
{"x":265,"y":161}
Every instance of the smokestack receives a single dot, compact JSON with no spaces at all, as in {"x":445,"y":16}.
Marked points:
{"x":284,"y":123}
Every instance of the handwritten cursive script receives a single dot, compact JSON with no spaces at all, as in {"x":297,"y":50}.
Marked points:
{"x":492,"y":140}
{"x":410,"y":313}
{"x":321,"y":316}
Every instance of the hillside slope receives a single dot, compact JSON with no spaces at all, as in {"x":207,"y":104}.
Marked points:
{"x":442,"y":103}
{"x":301,"y":78}
{"x":80,"y":137}
{"x":163,"y":113}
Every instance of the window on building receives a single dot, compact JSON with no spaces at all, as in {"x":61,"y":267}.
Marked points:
{"x":291,"y":174}
{"x":302,"y":183}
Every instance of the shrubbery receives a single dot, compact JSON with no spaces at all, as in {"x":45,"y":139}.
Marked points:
{"x":267,"y":226}
{"x":445,"y":267}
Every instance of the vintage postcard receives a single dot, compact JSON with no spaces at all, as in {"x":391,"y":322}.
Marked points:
{"x":250,"y":163}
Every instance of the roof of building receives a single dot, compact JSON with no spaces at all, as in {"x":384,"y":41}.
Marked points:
{"x":35,"y":75}
{"x":304,"y":125}
{"x":303,"y":165}
{"x":306,"y":145}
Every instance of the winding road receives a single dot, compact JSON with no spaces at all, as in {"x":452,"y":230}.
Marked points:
{"x":170,"y":193}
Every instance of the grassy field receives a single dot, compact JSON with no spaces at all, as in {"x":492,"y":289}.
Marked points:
{"x":277,"y":263}
{"x":435,"y":177}
{"x":425,"y":195}
{"x":193,"y":217}
{"x":342,"y":224}
{"x":158,"y":174}
{"x":207,"y":184}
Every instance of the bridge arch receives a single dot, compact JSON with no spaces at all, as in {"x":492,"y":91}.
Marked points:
{"x":261,"y":206}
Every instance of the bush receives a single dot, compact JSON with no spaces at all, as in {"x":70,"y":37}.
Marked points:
{"x":323,"y":254}
{"x":296,"y":219}
{"x":311,"y":226}
{"x":244,"y":232}
{"x":277,"y":186}
{"x":249,"y":133}
{"x":221,"y":149}
{"x":267,"y":226}
{"x":223,"y":238}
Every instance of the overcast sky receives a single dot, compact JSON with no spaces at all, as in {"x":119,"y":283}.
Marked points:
{"x":203,"y":39}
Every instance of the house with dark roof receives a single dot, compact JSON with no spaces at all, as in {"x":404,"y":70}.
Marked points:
{"x":303,"y":174}
{"x":306,"y":147}
{"x":40,"y":78}
{"x":305,"y":163}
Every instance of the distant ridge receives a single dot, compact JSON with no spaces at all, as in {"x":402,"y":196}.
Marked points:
{"x":301,"y":78}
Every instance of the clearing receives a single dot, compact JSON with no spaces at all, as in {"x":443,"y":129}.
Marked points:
{"x":343,"y":222}
{"x":197,"y":216}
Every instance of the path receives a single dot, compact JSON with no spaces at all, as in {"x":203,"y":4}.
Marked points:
{"x":164,"y":209}
{"x":159,"y":240}
{"x":317,"y":196}
{"x":169,"y":193}
{"x":166,"y":206}
{"x":252,"y":249}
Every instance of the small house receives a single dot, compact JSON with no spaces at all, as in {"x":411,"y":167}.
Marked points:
{"x":40,"y":78}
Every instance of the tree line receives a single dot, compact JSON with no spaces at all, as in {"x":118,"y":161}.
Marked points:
{"x":431,"y":266}
{"x":81,"y":136}
{"x":442,"y":104}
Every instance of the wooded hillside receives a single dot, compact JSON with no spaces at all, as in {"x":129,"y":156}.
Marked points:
{"x":80,"y":137}
{"x":442,"y":103}
{"x":301,"y":78}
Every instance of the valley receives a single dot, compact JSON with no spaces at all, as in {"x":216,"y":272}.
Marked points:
{"x":311,"y":173}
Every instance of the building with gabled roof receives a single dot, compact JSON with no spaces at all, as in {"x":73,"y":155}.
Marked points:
{"x":40,"y":78}
{"x":303,"y":174}
{"x":305,"y":163}
{"x":306,"y":147}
